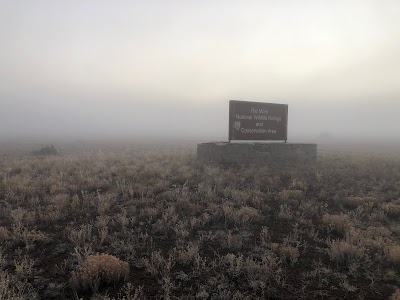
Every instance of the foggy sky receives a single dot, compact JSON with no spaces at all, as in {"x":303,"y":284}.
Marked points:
{"x":137,"y":68}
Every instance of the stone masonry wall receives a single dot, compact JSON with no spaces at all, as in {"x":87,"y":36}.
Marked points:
{"x":259,"y":153}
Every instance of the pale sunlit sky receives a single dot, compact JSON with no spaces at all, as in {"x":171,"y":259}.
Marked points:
{"x":83,"y":68}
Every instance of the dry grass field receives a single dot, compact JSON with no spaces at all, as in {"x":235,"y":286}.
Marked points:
{"x":137,"y":223}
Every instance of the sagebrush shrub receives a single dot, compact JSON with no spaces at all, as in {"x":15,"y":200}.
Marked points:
{"x":287,"y":195}
{"x":353,"y":202}
{"x":4,"y":233}
{"x":344,"y":252}
{"x":393,"y":254}
{"x":341,"y":222}
{"x":391,"y":210}
{"x":97,"y":269}
{"x":395,"y":295}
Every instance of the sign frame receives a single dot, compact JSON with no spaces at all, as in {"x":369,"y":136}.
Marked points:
{"x":284,"y":109}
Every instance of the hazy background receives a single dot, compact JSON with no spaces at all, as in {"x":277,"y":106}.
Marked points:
{"x":84,"y":69}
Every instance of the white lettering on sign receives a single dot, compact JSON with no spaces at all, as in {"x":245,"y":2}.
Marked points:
{"x":243,"y":117}
{"x":267,"y":118}
{"x":257,"y":121}
{"x":259,"y":111}
{"x":273,"y":118}
{"x":258,"y":130}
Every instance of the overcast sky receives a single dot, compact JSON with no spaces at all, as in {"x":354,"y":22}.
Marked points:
{"x":92,"y":68}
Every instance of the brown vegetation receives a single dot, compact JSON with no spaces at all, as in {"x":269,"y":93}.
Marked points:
{"x":174,"y":228}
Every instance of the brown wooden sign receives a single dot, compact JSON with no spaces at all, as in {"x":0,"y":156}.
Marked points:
{"x":257,"y":121}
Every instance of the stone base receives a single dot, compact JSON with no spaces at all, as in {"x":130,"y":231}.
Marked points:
{"x":258,"y":153}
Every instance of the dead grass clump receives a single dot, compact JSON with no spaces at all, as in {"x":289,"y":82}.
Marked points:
{"x":340,"y":223}
{"x":233,"y":241}
{"x":242,"y":216}
{"x":97,"y":269}
{"x":4,"y":233}
{"x":288,"y":253}
{"x":310,"y":208}
{"x":156,"y":264}
{"x":24,"y":267}
{"x":291,"y":197}
{"x":235,"y":264}
{"x":3,"y":260}
{"x":239,"y":196}
{"x":391,"y":210}
{"x":299,"y":185}
{"x":393,"y":254}
{"x":395,"y":295}
{"x":395,"y":228}
{"x":344,"y":252}
{"x":377,"y":232}
{"x":377,"y":216}
{"x":82,"y":236}
{"x":27,"y":236}
{"x":60,"y":202}
{"x":11,"y":288}
{"x":104,"y":203}
{"x":285,"y":212}
{"x":266,"y":275}
{"x":188,"y":254}
{"x":354,"y":202}
{"x":264,"y":236}
{"x":18,"y":215}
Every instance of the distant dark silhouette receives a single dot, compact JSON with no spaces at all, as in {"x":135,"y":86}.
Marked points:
{"x":47,"y":150}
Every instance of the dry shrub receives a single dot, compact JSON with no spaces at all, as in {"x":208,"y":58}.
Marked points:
{"x":157,"y":264}
{"x":310,"y":208}
{"x":391,"y":210}
{"x":28,"y":237}
{"x":377,"y":232}
{"x":374,"y":238}
{"x":235,"y":265}
{"x":393,"y":254}
{"x":291,"y":196}
{"x":18,"y":215}
{"x":75,"y":203}
{"x":395,"y":228}
{"x":97,"y":269}
{"x":104,"y":203}
{"x":286,"y":252}
{"x":353,"y":202}
{"x":232,"y":241}
{"x":30,"y":218}
{"x":11,"y":288}
{"x":395,"y":295}
{"x":242,"y":216}
{"x":60,"y":201}
{"x":267,"y":274}
{"x":51,"y":214}
{"x":377,"y":216}
{"x":249,"y":214}
{"x":340,"y":223}
{"x":238,"y":196}
{"x":187,"y":254}
{"x":181,"y":230}
{"x":342,"y":251}
{"x":81,"y":236}
{"x":4,"y":233}
{"x":285,"y":212}
{"x":264,"y":236}
{"x":299,"y":185}
{"x":24,"y":267}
